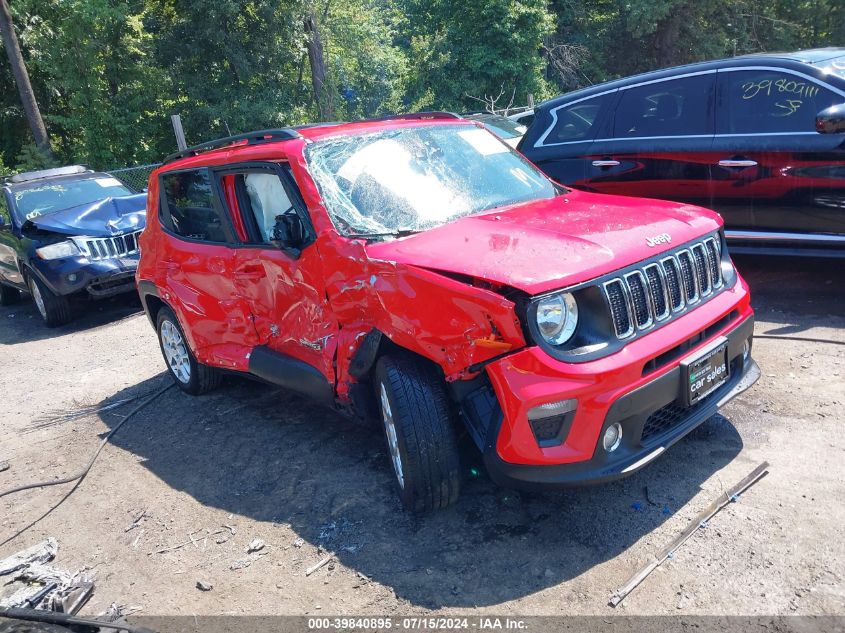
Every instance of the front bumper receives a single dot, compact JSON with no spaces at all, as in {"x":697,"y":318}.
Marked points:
{"x":100,"y":278}
{"x":639,"y":387}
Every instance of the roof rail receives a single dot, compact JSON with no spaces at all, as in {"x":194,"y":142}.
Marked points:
{"x":47,"y":173}
{"x":251,"y":138}
{"x":416,"y":116}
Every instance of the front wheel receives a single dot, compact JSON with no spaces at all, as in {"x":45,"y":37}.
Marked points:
{"x":190,"y":375}
{"x":54,"y":309}
{"x":418,"y":425}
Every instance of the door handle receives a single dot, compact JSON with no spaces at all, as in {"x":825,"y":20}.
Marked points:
{"x":605,"y":163}
{"x":737,"y":162}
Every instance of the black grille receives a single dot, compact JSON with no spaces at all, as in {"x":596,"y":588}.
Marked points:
{"x":640,"y":299}
{"x":674,"y":283}
{"x":618,"y":307}
{"x":687,"y":275}
{"x":701,"y":271}
{"x":662,"y":420}
{"x":715,"y":268}
{"x":656,"y":289}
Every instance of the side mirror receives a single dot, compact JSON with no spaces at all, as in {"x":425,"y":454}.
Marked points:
{"x":831,"y":120}
{"x":289,"y":234}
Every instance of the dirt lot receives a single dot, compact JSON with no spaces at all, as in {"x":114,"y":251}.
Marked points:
{"x":304,"y":480}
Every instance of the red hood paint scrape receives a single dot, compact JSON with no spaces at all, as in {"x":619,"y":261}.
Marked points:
{"x":553,"y":243}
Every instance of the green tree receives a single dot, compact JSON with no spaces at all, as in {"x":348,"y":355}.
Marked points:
{"x":480,"y":48}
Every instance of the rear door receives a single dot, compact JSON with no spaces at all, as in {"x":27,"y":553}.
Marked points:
{"x":197,"y":269}
{"x":772,"y":171}
{"x":286,"y":294}
{"x":659,"y":143}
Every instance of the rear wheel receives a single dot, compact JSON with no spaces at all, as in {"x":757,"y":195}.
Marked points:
{"x":190,"y":375}
{"x":418,"y":426}
{"x":9,"y":296}
{"x":53,"y":308}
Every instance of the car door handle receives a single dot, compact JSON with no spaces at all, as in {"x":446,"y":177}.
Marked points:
{"x":737,"y":162}
{"x":605,"y":163}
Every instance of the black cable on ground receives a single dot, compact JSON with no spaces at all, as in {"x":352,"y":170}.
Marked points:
{"x":799,"y":338}
{"x":78,"y":477}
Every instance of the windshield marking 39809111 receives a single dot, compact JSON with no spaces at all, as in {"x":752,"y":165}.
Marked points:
{"x":417,"y":177}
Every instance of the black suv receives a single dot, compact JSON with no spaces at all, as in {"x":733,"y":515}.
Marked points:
{"x":759,"y":138}
{"x":65,"y":232}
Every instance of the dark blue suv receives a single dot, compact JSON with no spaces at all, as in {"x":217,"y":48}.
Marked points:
{"x":67,"y":232}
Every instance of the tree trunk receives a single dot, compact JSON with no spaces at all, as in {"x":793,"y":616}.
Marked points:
{"x":318,"y":68}
{"x":30,"y":105}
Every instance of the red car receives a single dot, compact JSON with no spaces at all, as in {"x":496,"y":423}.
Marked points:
{"x":418,"y":270}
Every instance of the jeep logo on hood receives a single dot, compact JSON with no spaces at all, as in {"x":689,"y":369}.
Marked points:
{"x":662,"y":238}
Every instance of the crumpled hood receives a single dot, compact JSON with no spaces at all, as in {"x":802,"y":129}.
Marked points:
{"x":554,"y":243}
{"x":110,"y":216}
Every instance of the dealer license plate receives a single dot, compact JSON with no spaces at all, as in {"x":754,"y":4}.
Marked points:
{"x":706,"y":372}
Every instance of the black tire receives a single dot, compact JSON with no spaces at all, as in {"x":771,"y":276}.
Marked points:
{"x":424,"y":432}
{"x":54,"y":309}
{"x":9,"y":296}
{"x":187,"y":372}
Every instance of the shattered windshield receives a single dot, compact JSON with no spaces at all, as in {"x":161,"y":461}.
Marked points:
{"x":416,"y":178}
{"x":56,"y":196}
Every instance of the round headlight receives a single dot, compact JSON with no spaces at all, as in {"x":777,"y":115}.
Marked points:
{"x":557,"y":317}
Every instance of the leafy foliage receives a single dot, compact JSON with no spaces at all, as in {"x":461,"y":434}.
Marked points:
{"x":109,"y":73}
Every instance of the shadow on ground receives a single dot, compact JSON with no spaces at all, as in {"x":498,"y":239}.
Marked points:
{"x":21,"y":322}
{"x":265,"y":454}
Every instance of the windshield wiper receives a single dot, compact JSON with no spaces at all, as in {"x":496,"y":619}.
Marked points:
{"x":396,"y":233}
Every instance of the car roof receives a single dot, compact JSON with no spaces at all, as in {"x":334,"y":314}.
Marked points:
{"x":311,"y":132}
{"x":40,"y":182}
{"x":811,"y":56}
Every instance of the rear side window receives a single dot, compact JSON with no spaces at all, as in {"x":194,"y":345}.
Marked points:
{"x":676,"y":107}
{"x":576,"y":122}
{"x":190,"y":208}
{"x":770,"y":101}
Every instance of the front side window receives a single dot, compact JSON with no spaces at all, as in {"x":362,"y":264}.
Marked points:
{"x":675,"y":107}
{"x":770,"y":101}
{"x":55,"y":196}
{"x":416,"y":178}
{"x":576,"y":122}
{"x":189,"y":200}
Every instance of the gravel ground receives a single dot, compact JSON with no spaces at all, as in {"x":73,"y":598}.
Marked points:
{"x":213,"y":474}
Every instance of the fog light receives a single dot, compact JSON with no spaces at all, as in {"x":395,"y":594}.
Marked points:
{"x":72,"y":277}
{"x":746,"y":349}
{"x":612,"y":437}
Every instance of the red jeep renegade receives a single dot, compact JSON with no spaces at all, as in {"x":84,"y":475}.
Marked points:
{"x":418,"y":270}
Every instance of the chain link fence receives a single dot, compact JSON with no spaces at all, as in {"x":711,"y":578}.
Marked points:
{"x":136,"y":178}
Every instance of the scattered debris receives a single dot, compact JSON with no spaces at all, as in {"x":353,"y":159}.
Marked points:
{"x":256,"y":546}
{"x":192,"y":541}
{"x":4,"y":465}
{"x":137,"y":521}
{"x":299,"y":542}
{"x":317,"y":566}
{"x":699,"y":522}
{"x":204,"y":586}
{"x":241,"y":564}
{"x":44,"y":552}
{"x":35,"y":584}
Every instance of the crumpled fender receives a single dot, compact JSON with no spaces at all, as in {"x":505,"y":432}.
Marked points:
{"x":451,"y":323}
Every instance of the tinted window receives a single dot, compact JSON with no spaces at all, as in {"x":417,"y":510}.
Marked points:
{"x":764,"y":101}
{"x":191,"y":213}
{"x":677,"y":107}
{"x":576,"y":122}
